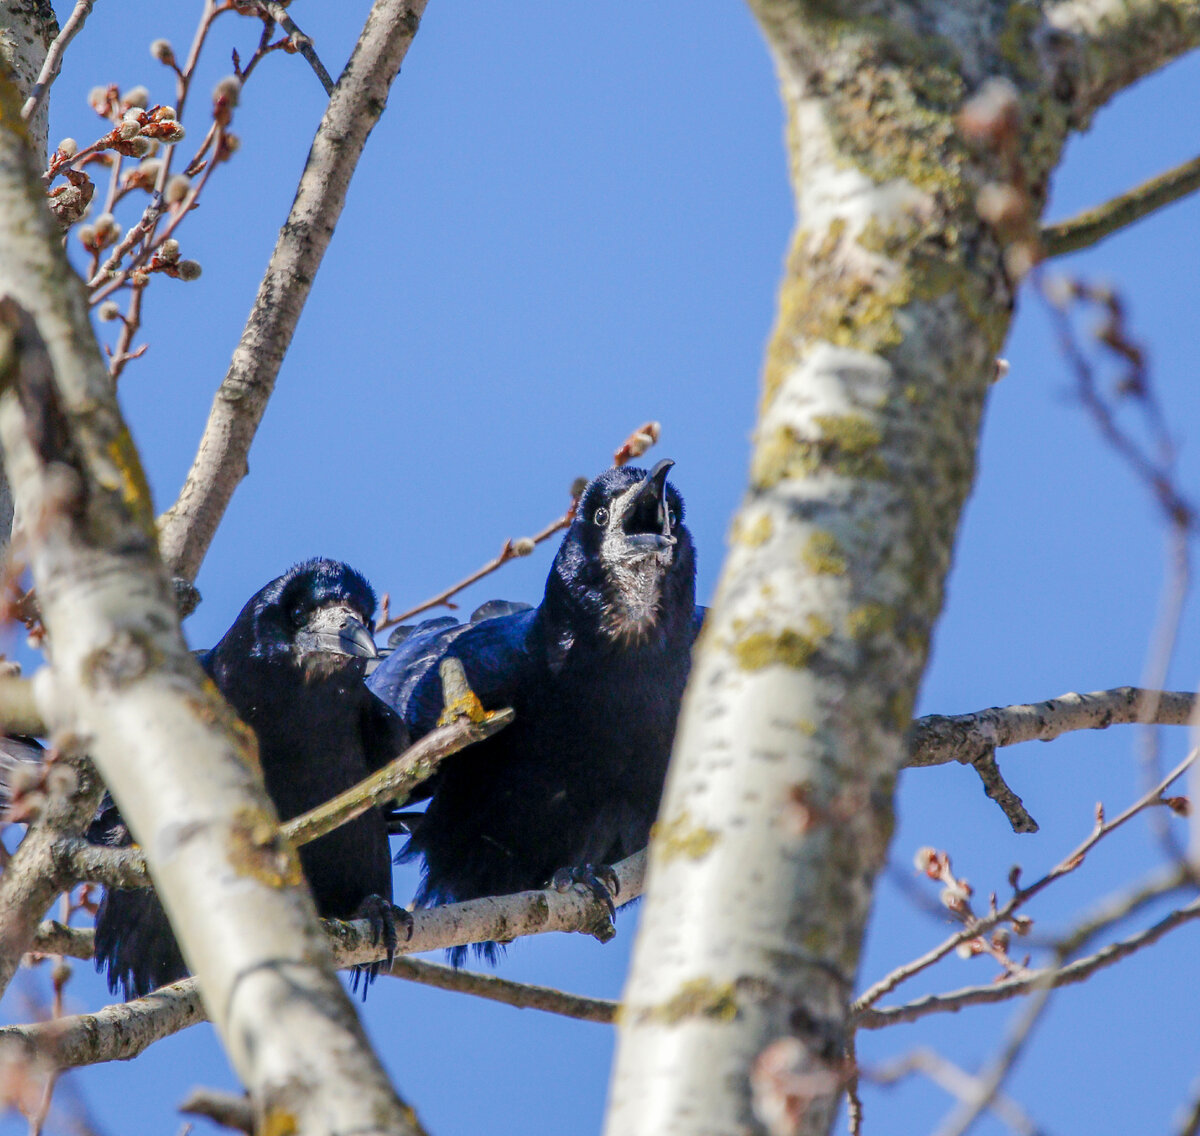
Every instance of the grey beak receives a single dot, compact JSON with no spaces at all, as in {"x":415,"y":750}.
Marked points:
{"x":655,"y":485}
{"x":653,"y":492}
{"x":355,"y":639}
{"x":350,"y":636}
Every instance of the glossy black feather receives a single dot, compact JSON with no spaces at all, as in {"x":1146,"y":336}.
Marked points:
{"x":319,"y":731}
{"x":577,"y":777}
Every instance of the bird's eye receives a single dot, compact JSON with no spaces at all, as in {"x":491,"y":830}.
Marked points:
{"x":296,"y":615}
{"x":601,"y":516}
{"x":671,"y":518}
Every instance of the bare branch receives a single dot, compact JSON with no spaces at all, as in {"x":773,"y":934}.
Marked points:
{"x":302,"y":43}
{"x":977,"y":926}
{"x":997,"y":788}
{"x":940,"y":738}
{"x":956,"y":1081}
{"x":188,"y":527}
{"x":1078,"y":971}
{"x":226,"y":1109}
{"x":1093,"y":225}
{"x":396,"y":779}
{"x":123,"y":683}
{"x":54,"y":58}
{"x":1103,"y":46}
{"x":18,"y":709}
{"x":519,"y":994}
{"x":115,"y":1033}
{"x":989,"y":1082}
{"x":123,"y":1031}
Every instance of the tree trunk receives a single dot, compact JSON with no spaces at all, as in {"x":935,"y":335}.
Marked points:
{"x":896,"y":300}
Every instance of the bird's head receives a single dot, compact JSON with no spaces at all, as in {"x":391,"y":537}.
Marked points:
{"x":628,"y":557}
{"x":317,"y":617}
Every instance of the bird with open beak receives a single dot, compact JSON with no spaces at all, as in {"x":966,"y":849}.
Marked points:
{"x":595,"y":674}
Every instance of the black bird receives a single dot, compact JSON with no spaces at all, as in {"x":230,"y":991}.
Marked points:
{"x":292,"y":668}
{"x":595,"y":674}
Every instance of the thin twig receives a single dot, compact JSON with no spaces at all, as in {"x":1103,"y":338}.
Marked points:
{"x":187,"y":529}
{"x":956,"y":1081}
{"x":511,"y":551}
{"x":303,"y":43}
{"x":634,"y":446}
{"x":519,"y":994}
{"x":1077,"y":971}
{"x":1093,"y":225}
{"x":990,"y":1081}
{"x":54,"y":57}
{"x":978,"y":926}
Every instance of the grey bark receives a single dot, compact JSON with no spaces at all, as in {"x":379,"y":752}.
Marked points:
{"x":897,"y":296}
{"x":123,"y":684}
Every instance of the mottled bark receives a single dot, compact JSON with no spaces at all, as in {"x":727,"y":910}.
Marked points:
{"x":188,"y":527}
{"x":123,"y":684}
{"x":896,"y":300}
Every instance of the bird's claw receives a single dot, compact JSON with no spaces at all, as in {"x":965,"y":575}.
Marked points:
{"x":386,"y":920}
{"x":599,"y":879}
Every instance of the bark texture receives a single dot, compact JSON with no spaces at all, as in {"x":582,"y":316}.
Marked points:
{"x":187,"y":528}
{"x":896,"y":300}
{"x":124,"y":687}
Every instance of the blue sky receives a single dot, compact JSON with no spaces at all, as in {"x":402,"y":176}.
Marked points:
{"x":567,"y":223}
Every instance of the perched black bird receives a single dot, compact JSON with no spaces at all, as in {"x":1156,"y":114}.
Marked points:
{"x":595,"y":675}
{"x":292,"y":667}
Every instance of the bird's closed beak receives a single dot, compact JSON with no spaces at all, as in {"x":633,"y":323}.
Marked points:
{"x":337,"y":630}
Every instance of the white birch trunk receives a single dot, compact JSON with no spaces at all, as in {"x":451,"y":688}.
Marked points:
{"x":778,"y":808}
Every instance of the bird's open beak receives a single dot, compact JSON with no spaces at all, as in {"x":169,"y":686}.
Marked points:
{"x":337,"y":630}
{"x":650,"y":502}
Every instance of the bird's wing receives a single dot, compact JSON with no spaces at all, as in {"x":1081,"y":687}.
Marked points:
{"x":494,"y":654}
{"x":384,"y":734}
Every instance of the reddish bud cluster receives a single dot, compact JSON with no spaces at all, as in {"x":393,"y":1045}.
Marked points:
{"x":645,"y":436}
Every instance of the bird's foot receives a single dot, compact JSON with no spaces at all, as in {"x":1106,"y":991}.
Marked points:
{"x":599,"y":879}
{"x":387,"y":921}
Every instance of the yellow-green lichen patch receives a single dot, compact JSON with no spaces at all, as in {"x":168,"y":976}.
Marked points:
{"x":681,"y":836}
{"x":848,"y":446}
{"x":258,"y":849}
{"x":754,"y":533}
{"x":851,"y":433}
{"x":134,"y":489}
{"x":900,"y":707}
{"x":787,"y":648}
{"x":279,"y":1122}
{"x":870,"y":619}
{"x":697,"y":998}
{"x":823,"y":555}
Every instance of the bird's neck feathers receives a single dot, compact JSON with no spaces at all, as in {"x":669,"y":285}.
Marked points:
{"x":581,"y":609}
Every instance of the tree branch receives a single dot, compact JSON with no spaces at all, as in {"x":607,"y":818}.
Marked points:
{"x":18,"y":709}
{"x":1109,"y":45}
{"x":54,"y":58}
{"x":119,"y":1032}
{"x":397,"y":779}
{"x":1078,"y":971}
{"x":187,"y":528}
{"x":1093,"y":225}
{"x":940,"y":738}
{"x":303,"y":43}
{"x":124,"y":685}
{"x":522,"y":995}
{"x":975,"y":926}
